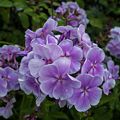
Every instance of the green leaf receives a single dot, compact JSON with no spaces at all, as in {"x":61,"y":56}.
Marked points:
{"x":102,"y":113}
{"x":20,"y":4}
{"x":80,"y":3}
{"x":29,"y":11}
{"x":96,"y":22}
{"x":27,"y":105}
{"x":43,"y":16}
{"x":6,"y":3}
{"x":58,"y":115}
{"x":24,"y":20}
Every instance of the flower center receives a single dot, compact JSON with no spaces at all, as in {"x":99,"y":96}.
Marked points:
{"x":49,"y":61}
{"x":93,"y":65}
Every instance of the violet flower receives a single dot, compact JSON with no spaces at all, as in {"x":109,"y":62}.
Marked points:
{"x":113,"y":45}
{"x":88,"y":94}
{"x":113,"y":69}
{"x":39,"y":36}
{"x":55,"y":80}
{"x":8,"y":55}
{"x":6,"y":111}
{"x":31,"y":85}
{"x":9,"y":80}
{"x":93,"y":63}
{"x":72,"y":13}
{"x":74,"y":53}
{"x":109,"y":82}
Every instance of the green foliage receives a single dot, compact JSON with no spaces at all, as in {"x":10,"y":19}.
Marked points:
{"x":18,"y":15}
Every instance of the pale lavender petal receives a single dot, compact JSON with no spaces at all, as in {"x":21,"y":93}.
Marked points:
{"x":86,"y":67}
{"x":74,"y":99}
{"x":48,"y":86}
{"x":37,"y":41}
{"x":48,"y":72}
{"x":73,"y":81}
{"x":66,"y":45}
{"x":55,"y":51}
{"x":41,"y":50}
{"x":98,"y":70}
{"x":96,"y":81}
{"x":85,"y":79}
{"x":51,"y":40}
{"x":86,"y":39}
{"x":75,"y":66}
{"x":108,"y":85}
{"x":23,"y":69}
{"x":62,"y":91}
{"x":50,"y":25}
{"x":76,"y":53}
{"x":34,"y":66}
{"x":63,"y":65}
{"x":96,"y":55}
{"x":3,"y":91}
{"x":94,"y":95}
{"x":83,"y":103}
{"x":39,"y":99}
{"x":95,"y":70}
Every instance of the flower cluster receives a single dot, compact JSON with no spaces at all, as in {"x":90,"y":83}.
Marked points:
{"x":61,"y":62}
{"x":8,"y":76}
{"x":6,"y":111}
{"x":113,"y":45}
{"x":8,"y":54}
{"x":72,"y":14}
{"x":66,"y":66}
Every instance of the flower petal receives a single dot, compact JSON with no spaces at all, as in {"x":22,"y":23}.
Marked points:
{"x":83,"y":103}
{"x":96,"y":54}
{"x":47,"y":87}
{"x":62,"y":91}
{"x":34,"y":66}
{"x":66,"y":45}
{"x":63,"y":65}
{"x":48,"y":72}
{"x":94,"y":95}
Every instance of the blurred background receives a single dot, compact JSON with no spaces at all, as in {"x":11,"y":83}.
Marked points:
{"x":16,"y":16}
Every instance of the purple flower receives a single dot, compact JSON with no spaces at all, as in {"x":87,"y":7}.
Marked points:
{"x":48,"y":53}
{"x":29,"y":82}
{"x":82,"y":36}
{"x":113,"y":45}
{"x":23,"y":69}
{"x":109,"y":82}
{"x":48,"y":27}
{"x":8,"y":55}
{"x":3,"y":87}
{"x":6,"y":111}
{"x":88,"y":94}
{"x":113,"y":69}
{"x":115,"y":33}
{"x":45,"y":56}
{"x":72,"y":13}
{"x":55,"y":80}
{"x":74,"y":53}
{"x":9,"y":80}
{"x":29,"y":36}
{"x":8,"y":52}
{"x":83,"y":39}
{"x":31,"y":85}
{"x":68,"y":32}
{"x":62,"y":103}
{"x":93,"y":63}
{"x":39,"y":36}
